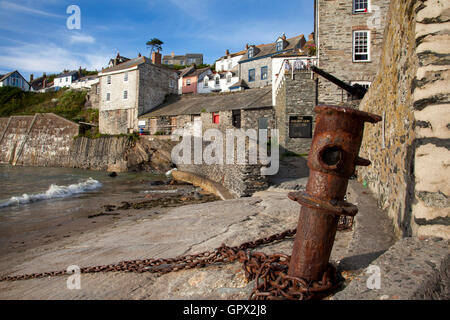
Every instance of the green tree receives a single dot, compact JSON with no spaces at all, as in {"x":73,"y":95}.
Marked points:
{"x":154,"y":44}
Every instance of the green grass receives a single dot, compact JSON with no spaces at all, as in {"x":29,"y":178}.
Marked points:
{"x":66,"y":103}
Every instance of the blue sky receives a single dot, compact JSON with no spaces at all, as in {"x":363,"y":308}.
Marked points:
{"x":34,"y":37}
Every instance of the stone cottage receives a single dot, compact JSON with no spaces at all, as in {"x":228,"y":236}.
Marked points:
{"x":349,"y":38}
{"x":255,"y":67}
{"x":131,"y":89}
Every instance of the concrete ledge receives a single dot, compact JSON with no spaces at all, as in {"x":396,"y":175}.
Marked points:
{"x":204,"y":183}
{"x":410,"y":269}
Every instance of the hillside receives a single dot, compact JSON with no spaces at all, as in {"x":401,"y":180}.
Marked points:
{"x":66,"y":103}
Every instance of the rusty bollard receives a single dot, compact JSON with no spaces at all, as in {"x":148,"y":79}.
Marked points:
{"x":332,"y":161}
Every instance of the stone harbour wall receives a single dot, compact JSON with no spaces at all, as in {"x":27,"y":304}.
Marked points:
{"x":39,"y":140}
{"x":409,"y":149}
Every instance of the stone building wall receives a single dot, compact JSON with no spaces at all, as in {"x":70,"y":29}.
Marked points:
{"x":256,"y":64}
{"x":336,"y":23}
{"x":295,"y":97}
{"x":409,"y":149}
{"x":155,"y":82}
{"x":41,"y":140}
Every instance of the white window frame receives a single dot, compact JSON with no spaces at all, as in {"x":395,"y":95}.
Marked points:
{"x":360,"y":10}
{"x":188,"y":82}
{"x":125,"y":77}
{"x":108,"y":96}
{"x":108,"y":80}
{"x":206,"y":82}
{"x":279,"y":45}
{"x":353,"y":46}
{"x":125,"y":95}
{"x":251,"y":52}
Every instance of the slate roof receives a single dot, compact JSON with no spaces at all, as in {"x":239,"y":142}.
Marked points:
{"x":271,"y":48}
{"x":214,"y":102}
{"x":127,"y":64}
{"x":37,"y":84}
{"x":66,"y":74}
{"x":232,"y":55}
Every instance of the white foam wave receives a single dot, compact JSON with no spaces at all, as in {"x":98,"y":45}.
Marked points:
{"x":54,"y":192}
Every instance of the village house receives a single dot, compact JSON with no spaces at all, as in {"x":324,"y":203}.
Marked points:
{"x":190,"y":78}
{"x":218,"y":81}
{"x":14,"y":79}
{"x":255,"y":67}
{"x":186,"y":60}
{"x":246,"y":110}
{"x":85,"y":82}
{"x":117,"y":60}
{"x":66,"y":79}
{"x":349,"y":38}
{"x":130,"y":89}
{"x":229,"y":61}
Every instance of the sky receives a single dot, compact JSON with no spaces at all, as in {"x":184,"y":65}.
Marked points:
{"x":34,"y":37}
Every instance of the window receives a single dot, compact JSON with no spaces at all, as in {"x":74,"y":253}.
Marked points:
{"x":236,"y":119}
{"x":217,"y":80}
{"x":67,"y":79}
{"x":230,"y":66}
{"x":171,"y":83}
{"x":108,"y":96}
{"x":251,"y":75}
{"x":205,"y":82}
{"x":251,"y":52}
{"x":264,"y":72}
{"x":125,"y":77}
{"x":188,"y":82}
{"x":228,"y":78}
{"x":125,"y":95}
{"x":360,"y":6}
{"x":361,"y":46}
{"x":279,"y":45}
{"x":215,"y":118}
{"x":108,"y":80}
{"x":98,"y":90}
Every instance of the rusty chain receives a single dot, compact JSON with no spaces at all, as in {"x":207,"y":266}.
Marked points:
{"x":268,"y":271}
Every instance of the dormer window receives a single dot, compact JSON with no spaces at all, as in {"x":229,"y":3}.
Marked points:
{"x":251,"y":52}
{"x":280,"y":45}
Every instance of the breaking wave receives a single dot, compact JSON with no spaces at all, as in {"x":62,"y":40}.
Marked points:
{"x":54,"y":192}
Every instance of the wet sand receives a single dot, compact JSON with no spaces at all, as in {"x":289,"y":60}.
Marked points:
{"x":96,"y":213}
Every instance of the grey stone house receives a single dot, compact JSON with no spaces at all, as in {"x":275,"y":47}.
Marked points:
{"x":349,"y":38}
{"x":255,"y":67}
{"x":183,"y":60}
{"x":130,"y":89}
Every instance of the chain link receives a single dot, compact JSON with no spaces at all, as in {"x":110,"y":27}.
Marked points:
{"x":268,"y":271}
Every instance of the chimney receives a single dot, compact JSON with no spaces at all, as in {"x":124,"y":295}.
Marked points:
{"x":246,"y":46}
{"x":79,"y":72}
{"x":31,"y":77}
{"x":156,"y":57}
{"x":284,"y":36}
{"x":44,"y":83}
{"x":227,"y":53}
{"x":172,"y":54}
{"x":139,"y":55}
{"x":44,"y":75}
{"x":311,"y":37}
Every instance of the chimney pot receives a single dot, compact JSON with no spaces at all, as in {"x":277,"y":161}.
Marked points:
{"x":156,"y":58}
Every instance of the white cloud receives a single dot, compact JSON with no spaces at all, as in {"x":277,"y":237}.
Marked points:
{"x":81,"y":38}
{"x":49,"y":58}
{"x":5,"y":5}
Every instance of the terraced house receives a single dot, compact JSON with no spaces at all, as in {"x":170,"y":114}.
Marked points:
{"x":255,"y":67}
{"x":349,"y":38}
{"x":130,"y":89}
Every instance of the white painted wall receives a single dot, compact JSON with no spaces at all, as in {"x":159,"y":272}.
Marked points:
{"x":223,"y":86}
{"x":116,"y":88}
{"x":85,"y":83}
{"x":228,"y":63}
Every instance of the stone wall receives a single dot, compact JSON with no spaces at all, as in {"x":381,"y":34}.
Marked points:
{"x":336,"y":23}
{"x":47,"y":140}
{"x":295,"y":97}
{"x":409,"y":149}
{"x":39,"y":140}
{"x":256,"y":64}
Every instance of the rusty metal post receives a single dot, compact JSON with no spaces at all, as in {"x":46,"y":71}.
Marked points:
{"x":332,"y":161}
